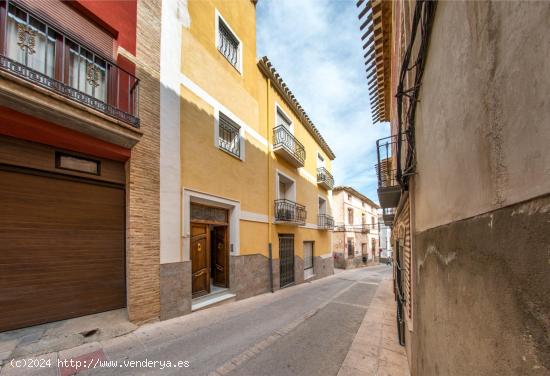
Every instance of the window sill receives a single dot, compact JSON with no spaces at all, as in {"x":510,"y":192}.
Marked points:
{"x":239,"y":158}
{"x":234,"y":67}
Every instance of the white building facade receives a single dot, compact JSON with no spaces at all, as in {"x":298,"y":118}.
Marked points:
{"x":356,"y":233}
{"x":385,"y":239}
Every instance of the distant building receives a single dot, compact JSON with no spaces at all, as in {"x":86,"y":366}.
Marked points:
{"x":385,"y":237}
{"x":355,"y":239}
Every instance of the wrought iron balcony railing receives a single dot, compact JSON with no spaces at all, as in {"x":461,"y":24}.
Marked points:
{"x":389,"y":187}
{"x":388,"y":215}
{"x":286,"y":145}
{"x":35,"y":51}
{"x":325,"y":178}
{"x":386,"y":175}
{"x":363,"y":228}
{"x":289,"y":212}
{"x":325,"y":222}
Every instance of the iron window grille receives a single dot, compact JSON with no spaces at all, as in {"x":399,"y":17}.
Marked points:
{"x":33,"y":50}
{"x":228,"y":44}
{"x":325,"y":221}
{"x":287,"y":211}
{"x":283,"y":138}
{"x":323,"y":176}
{"x":229,"y":138}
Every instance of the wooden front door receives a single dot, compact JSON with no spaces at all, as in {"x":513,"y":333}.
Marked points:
{"x":220,"y":256}
{"x":200,"y":259}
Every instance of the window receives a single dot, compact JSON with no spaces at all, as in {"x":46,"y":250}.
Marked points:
{"x":373,"y":220}
{"x":308,"y":255}
{"x":350,"y":247}
{"x":363,"y":218}
{"x":322,"y":206}
{"x":38,"y":53}
{"x":349,"y":197}
{"x":363,"y":203}
{"x":36,"y":45}
{"x":282,"y":190}
{"x":286,"y":188}
{"x":282,"y":119}
{"x":228,"y":44}
{"x":229,"y":138}
{"x":350,"y":216}
{"x":320,"y":160}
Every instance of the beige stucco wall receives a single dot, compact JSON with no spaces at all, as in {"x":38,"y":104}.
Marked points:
{"x":484,"y":110}
{"x":341,"y":204}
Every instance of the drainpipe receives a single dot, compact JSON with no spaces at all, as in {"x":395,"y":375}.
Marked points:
{"x":270,"y":268}
{"x":269,"y":204}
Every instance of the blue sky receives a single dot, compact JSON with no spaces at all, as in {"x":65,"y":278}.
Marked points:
{"x":315,"y":45}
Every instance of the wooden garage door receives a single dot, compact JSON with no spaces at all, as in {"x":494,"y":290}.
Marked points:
{"x":62,"y":248}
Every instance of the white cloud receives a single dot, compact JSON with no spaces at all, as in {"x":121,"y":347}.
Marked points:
{"x":316,"y":47}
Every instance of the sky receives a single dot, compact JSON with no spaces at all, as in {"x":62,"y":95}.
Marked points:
{"x":315,"y":45}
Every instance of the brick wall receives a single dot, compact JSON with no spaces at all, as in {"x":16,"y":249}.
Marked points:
{"x":143,"y":248}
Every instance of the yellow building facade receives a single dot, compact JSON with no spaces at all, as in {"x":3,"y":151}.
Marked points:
{"x":247,"y":200}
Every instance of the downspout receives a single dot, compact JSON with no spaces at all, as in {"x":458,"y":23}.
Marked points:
{"x":269,"y":206}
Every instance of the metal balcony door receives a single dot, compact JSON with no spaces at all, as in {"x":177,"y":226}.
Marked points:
{"x":286,"y":259}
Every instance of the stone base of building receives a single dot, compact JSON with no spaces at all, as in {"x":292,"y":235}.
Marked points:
{"x":175,"y":289}
{"x":322,"y":267}
{"x":353,"y":262}
{"x":298,"y":270}
{"x":249,"y":275}
{"x":498,"y":263}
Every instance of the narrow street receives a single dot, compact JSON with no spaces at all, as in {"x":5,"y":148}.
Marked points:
{"x":303,"y":330}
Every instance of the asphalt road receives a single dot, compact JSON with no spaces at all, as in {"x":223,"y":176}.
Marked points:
{"x":301,"y":330}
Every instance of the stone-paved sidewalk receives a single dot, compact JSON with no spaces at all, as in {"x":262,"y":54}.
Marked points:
{"x":375,"y":351}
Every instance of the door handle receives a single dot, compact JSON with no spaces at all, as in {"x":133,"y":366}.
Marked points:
{"x":200,"y":273}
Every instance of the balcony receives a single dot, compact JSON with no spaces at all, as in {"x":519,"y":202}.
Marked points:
{"x":325,"y":222}
{"x":325,"y":178}
{"x":389,"y":189}
{"x":38,"y":53}
{"x":290,"y":213}
{"x":288,"y":147}
{"x":388,"y":215}
{"x":363,"y":228}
